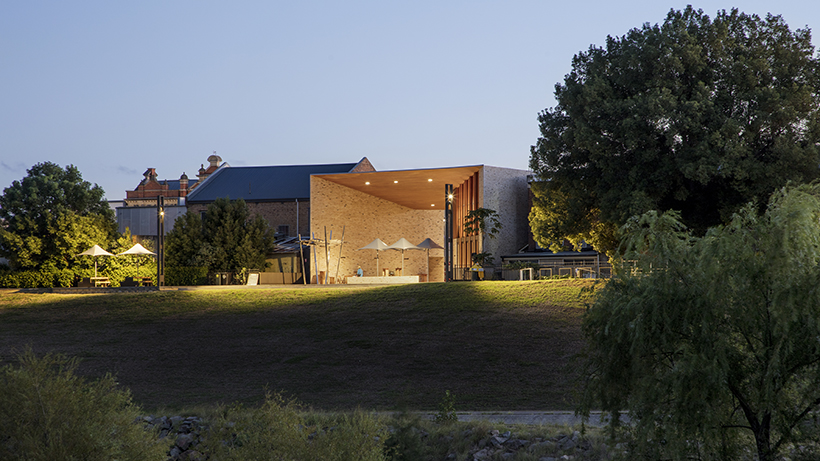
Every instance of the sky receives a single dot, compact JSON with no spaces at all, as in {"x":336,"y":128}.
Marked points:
{"x":115,"y":88}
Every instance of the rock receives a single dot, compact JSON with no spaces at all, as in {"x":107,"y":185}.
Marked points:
{"x":567,"y":444}
{"x":516,"y":444}
{"x":548,"y":445}
{"x":184,"y":441}
{"x":482,"y":455}
{"x":192,"y":455}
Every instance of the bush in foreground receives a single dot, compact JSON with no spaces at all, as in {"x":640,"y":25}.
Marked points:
{"x":711,"y":344}
{"x":279,"y":430}
{"x":48,"y":413}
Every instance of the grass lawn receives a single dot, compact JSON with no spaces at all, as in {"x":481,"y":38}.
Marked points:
{"x":494,"y":345}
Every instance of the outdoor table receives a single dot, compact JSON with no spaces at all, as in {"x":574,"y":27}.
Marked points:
{"x":101,"y":281}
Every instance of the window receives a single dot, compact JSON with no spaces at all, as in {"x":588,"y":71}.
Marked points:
{"x":283,"y":230}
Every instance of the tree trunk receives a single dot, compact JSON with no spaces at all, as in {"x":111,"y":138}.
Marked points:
{"x":763,"y":439}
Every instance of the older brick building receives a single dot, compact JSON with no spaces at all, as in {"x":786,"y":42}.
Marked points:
{"x":138,"y":212}
{"x":278,"y":193}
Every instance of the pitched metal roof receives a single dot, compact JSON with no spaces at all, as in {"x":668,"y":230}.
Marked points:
{"x":173,"y":184}
{"x":263,"y":183}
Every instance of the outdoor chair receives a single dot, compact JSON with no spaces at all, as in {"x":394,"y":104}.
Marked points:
{"x":129,"y":282}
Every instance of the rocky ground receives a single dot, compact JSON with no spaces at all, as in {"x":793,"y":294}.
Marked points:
{"x":185,"y":436}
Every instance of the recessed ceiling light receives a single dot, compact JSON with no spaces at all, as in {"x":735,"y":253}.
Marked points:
{"x":367,"y":183}
{"x":395,"y":182}
{"x":432,"y":204}
{"x":430,"y":180}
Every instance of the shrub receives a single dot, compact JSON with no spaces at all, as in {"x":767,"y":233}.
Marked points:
{"x":49,"y":413}
{"x":43,"y":278}
{"x":447,"y":409}
{"x":278,"y":430}
{"x":186,"y":275}
{"x":405,"y":441}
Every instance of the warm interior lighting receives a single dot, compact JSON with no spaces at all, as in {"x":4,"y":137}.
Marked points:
{"x":367,"y":183}
{"x":430,"y":180}
{"x":395,"y":182}
{"x":432,"y":204}
{"x":450,"y":197}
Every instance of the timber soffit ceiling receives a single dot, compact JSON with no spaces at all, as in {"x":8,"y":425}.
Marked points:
{"x":416,"y":189}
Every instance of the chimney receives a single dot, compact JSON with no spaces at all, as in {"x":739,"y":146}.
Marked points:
{"x":183,"y":185}
{"x":149,"y":175}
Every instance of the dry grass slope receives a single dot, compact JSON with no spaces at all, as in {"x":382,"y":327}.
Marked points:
{"x":495,"y":345}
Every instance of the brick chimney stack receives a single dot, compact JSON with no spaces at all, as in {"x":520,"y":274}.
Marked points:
{"x":183,"y":185}
{"x":149,"y":175}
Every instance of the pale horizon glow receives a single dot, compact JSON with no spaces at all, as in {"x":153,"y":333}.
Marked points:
{"x":115,"y":88}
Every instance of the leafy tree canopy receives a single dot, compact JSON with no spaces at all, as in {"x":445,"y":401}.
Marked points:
{"x":711,"y":343}
{"x":228,"y":239}
{"x":695,"y":115}
{"x":482,"y":221}
{"x":51,"y":215}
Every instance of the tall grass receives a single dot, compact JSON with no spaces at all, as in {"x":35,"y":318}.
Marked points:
{"x":49,"y":413}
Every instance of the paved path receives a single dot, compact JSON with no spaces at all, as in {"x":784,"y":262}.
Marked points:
{"x":533,"y":418}
{"x":566,"y":418}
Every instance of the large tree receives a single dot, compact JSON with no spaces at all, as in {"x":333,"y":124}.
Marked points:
{"x":228,"y":239}
{"x":711,"y":343}
{"x":696,"y":115}
{"x":50,"y":216}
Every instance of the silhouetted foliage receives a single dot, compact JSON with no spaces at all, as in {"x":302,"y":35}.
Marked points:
{"x":696,"y":115}
{"x":711,"y":343}
{"x":229,"y":239}
{"x":50,"y":216}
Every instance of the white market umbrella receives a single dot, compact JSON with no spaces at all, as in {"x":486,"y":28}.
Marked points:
{"x":137,"y":250}
{"x":95,"y":251}
{"x":402,"y":244}
{"x":377,"y":245}
{"x":428,"y":244}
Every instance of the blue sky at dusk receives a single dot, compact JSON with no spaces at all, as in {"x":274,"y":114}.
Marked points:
{"x":118,"y":87}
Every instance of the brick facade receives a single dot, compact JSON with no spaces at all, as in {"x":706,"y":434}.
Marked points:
{"x":505,"y":190}
{"x":276,"y":214}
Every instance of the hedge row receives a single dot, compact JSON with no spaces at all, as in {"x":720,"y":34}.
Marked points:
{"x":48,"y":278}
{"x":181,"y":276}
{"x":37,"y":279}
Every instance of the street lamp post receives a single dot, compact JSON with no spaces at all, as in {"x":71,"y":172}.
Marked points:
{"x":448,"y":232}
{"x":160,"y":241}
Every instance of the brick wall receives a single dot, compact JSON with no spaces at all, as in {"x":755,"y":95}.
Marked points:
{"x":276,"y":214}
{"x":364,"y":218}
{"x":505,"y":191}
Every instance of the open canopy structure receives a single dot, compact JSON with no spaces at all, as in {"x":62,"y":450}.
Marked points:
{"x":428,"y":244}
{"x":377,"y":245}
{"x":95,"y":251}
{"x":403,"y":244}
{"x":137,"y":250}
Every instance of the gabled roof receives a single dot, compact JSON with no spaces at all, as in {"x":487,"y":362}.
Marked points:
{"x":263,"y":183}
